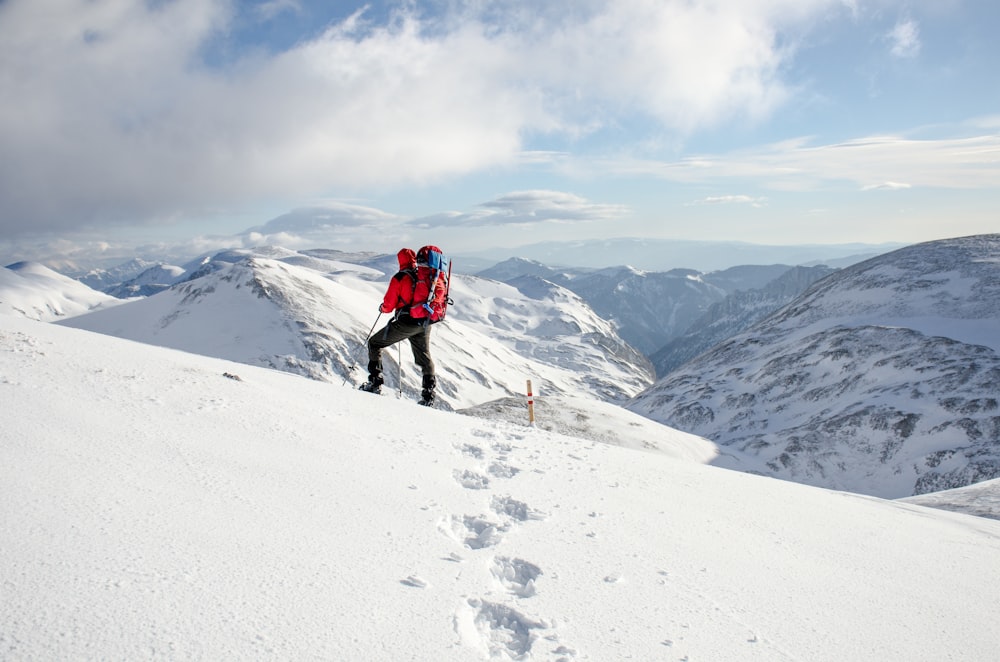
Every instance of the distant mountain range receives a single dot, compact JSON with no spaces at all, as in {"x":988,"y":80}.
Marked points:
{"x":310,"y":313}
{"x":650,"y":310}
{"x":738,"y":311}
{"x":668,"y":254}
{"x":673,"y":315}
{"x":882,"y":378}
{"x":879,"y":378}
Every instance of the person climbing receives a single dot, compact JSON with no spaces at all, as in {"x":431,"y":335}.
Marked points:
{"x":415,"y":297}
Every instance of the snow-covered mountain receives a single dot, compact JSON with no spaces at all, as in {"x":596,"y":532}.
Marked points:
{"x":517,"y":267}
{"x":649,"y":309}
{"x":102,"y":279}
{"x":666,"y":254}
{"x":153,"y":508}
{"x":37,"y":292}
{"x":151,"y":281}
{"x":310,"y":314}
{"x":981,"y":499}
{"x":738,"y":311}
{"x":880,"y":379}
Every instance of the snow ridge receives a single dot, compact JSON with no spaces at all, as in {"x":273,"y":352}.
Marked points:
{"x":36,"y":292}
{"x":738,"y":311}
{"x":273,"y":308}
{"x":880,"y":379}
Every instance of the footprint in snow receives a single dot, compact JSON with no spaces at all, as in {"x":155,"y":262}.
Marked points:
{"x":482,"y":533}
{"x":502,"y":470}
{"x":473,"y":451}
{"x":471,"y":531}
{"x":514,"y":509}
{"x":503,"y":448}
{"x":506,"y":632}
{"x":516,"y":575}
{"x":471,"y":480}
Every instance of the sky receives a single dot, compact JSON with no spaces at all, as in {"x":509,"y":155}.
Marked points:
{"x":468,"y":123}
{"x":155,"y":509}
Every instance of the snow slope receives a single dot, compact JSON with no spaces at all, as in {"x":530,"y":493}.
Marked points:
{"x":151,"y":281}
{"x":981,"y":499}
{"x":738,"y":311}
{"x":39,"y":293}
{"x":881,"y":379}
{"x":153,"y":508}
{"x":598,"y":421}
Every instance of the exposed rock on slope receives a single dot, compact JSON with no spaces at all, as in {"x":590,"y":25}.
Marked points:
{"x":736,"y":312}
{"x":881,"y":379}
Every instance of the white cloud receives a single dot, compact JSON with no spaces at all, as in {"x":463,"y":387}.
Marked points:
{"x":886,"y":186}
{"x":989,"y":122}
{"x":110,"y":115}
{"x":331,"y":224}
{"x":946,"y":163}
{"x":528,"y":208}
{"x":904,"y":39}
{"x":326,"y":216}
{"x":732,"y":199}
{"x":335,"y":224}
{"x":268,"y":10}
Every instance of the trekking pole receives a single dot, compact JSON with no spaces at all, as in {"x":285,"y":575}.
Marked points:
{"x":365,"y":343}
{"x":399,"y":368}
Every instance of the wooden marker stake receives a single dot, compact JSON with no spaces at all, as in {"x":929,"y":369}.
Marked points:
{"x":531,"y":406}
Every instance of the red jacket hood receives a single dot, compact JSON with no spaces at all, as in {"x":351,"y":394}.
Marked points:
{"x":407,"y":258}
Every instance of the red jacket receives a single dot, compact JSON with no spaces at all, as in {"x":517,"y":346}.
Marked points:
{"x":400,"y":292}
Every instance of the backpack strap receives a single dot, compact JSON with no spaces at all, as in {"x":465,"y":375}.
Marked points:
{"x":402,"y":305}
{"x":436,"y":275}
{"x":447,"y":287}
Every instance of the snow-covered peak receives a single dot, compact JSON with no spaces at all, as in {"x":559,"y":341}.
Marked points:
{"x":278,"y":314}
{"x":947,"y":288}
{"x":516,"y":267}
{"x":34,"y":291}
{"x":881,"y":378}
{"x":102,"y":279}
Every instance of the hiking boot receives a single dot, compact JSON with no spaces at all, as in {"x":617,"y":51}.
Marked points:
{"x":427,"y":394}
{"x":371,"y":387}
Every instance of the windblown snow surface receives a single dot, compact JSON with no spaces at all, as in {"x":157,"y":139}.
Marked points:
{"x":156,"y":504}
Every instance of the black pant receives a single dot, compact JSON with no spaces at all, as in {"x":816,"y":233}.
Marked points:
{"x":393,"y":332}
